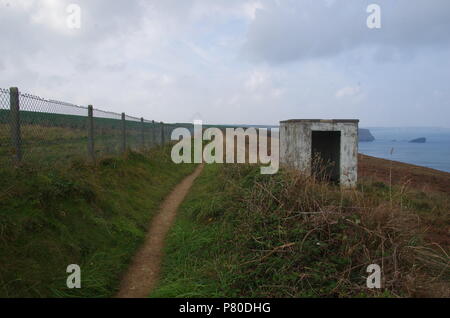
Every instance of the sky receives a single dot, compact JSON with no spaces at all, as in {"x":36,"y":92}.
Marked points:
{"x":235,"y":61}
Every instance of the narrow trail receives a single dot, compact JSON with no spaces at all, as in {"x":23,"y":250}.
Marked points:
{"x":143,"y":273}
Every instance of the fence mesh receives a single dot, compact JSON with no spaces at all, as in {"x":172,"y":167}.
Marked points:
{"x":5,"y":139}
{"x":133,"y":133}
{"x":49,"y":131}
{"x":149,"y":134}
{"x":107,"y":132}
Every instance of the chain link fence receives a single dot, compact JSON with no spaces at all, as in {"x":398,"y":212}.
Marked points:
{"x":5,"y":139}
{"x":34,"y":129}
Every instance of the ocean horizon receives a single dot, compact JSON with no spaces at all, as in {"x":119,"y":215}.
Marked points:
{"x":435,"y":153}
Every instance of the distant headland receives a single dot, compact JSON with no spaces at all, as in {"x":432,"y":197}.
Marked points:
{"x":365,"y":135}
{"x":420,"y":140}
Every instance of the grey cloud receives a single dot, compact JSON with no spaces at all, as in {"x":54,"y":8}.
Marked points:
{"x":163,"y":59}
{"x":101,"y":20}
{"x":105,"y":18}
{"x":296,"y":30}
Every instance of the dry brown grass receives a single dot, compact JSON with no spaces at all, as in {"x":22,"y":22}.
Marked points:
{"x":420,"y":178}
{"x":324,"y":238}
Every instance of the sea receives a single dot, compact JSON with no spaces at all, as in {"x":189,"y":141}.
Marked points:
{"x":393,"y":144}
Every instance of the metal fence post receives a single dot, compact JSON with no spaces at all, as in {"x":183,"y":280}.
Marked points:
{"x":16,"y":136}
{"x":91,"y":150}
{"x":142,"y":133}
{"x":124,"y":134}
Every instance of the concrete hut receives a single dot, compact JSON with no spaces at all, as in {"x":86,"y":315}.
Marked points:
{"x":334,"y":141}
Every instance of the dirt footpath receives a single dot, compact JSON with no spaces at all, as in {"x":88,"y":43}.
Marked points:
{"x":143,"y":273}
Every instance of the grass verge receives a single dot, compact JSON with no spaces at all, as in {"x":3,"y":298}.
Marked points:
{"x":93,"y":216}
{"x":242,"y":234}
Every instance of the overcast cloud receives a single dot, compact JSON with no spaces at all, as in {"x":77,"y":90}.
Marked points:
{"x":235,"y":61}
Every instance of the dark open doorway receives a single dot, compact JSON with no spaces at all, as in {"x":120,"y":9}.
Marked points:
{"x":326,"y":154}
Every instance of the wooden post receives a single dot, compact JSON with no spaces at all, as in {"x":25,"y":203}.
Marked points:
{"x":142,"y":133}
{"x":91,"y":150}
{"x":16,"y":136}
{"x":124,"y":134}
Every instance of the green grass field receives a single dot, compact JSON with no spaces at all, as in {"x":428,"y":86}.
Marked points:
{"x":93,"y":216}
{"x":241,"y":234}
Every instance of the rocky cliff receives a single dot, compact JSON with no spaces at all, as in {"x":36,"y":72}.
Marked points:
{"x":365,"y":135}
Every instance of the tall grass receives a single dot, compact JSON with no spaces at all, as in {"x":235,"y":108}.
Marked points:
{"x":294,"y":236}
